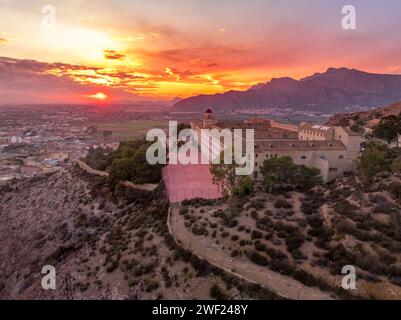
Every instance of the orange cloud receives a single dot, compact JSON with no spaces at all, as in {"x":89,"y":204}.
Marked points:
{"x":3,"y":41}
{"x":113,"y":54}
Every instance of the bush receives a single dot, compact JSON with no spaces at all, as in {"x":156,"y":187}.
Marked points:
{"x":395,"y":189}
{"x":281,"y":203}
{"x":254,"y":215}
{"x":218,"y":293}
{"x":256,"y":234}
{"x":257,"y":258}
{"x":294,"y":241}
{"x":257,"y":204}
{"x":260,"y":247}
{"x":245,"y":187}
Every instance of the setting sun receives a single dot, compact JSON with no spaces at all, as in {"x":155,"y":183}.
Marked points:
{"x":97,"y":96}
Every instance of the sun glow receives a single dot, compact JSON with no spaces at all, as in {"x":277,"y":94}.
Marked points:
{"x":98,"y":96}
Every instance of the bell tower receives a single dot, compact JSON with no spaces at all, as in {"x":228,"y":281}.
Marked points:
{"x":208,"y":119}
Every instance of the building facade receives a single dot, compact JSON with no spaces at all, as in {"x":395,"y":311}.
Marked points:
{"x":332,"y":150}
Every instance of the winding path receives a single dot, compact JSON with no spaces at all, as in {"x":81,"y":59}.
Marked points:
{"x":206,"y":249}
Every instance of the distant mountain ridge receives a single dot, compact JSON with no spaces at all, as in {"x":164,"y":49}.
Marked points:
{"x":335,"y":90}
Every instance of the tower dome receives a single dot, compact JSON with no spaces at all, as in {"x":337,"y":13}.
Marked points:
{"x":208,"y":114}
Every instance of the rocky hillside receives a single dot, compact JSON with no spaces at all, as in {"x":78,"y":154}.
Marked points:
{"x":103,"y":245}
{"x":335,"y":90}
{"x":371,"y":117}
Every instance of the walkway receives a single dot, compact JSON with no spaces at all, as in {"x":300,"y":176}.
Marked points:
{"x":205,"y":248}
{"x":128,"y":184}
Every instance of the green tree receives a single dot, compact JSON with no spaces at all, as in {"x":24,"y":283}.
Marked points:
{"x":277,"y":172}
{"x":282,"y":174}
{"x":244,"y":187}
{"x":224,"y":175}
{"x":373,"y":160}
{"x":129,"y":162}
{"x":306,"y":178}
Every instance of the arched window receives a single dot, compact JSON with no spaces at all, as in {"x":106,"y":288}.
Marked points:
{"x":303,"y":157}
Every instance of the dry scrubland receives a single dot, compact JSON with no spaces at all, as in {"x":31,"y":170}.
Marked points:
{"x":310,"y":237}
{"x":116,"y":245}
{"x":111,"y":245}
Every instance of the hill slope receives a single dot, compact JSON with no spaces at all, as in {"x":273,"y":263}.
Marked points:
{"x":371,"y":117}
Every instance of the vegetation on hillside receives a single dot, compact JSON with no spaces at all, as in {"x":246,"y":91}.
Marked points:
{"x":389,"y":129}
{"x":128,"y":162}
{"x":281,"y":174}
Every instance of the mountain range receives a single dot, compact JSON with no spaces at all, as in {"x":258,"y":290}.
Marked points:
{"x":336,"y":90}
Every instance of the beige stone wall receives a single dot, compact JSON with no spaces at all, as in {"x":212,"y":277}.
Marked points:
{"x":331,"y":163}
{"x":352,"y":143}
{"x":284,"y":126}
{"x":308,"y":134}
{"x":320,"y":159}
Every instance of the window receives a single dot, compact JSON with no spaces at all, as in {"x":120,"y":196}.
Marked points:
{"x":303,"y":157}
{"x":341,"y":157}
{"x":255,"y":175}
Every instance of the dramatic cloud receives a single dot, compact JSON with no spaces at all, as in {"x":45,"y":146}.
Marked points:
{"x":30,"y":81}
{"x":3,"y":41}
{"x":164,"y":49}
{"x":113,"y":55}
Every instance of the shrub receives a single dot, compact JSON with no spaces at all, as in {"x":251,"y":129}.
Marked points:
{"x":256,"y":234}
{"x":260,"y":247}
{"x":281,"y":203}
{"x":218,"y":293}
{"x":257,"y":258}
{"x":245,"y":187}
{"x":395,"y":189}
{"x":254,"y":215}
{"x":257,"y":204}
{"x":184,"y":210}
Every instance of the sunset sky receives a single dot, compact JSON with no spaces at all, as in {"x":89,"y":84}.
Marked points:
{"x":112,"y":51}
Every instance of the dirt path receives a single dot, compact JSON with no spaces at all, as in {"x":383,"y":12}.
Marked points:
{"x":241,"y":267}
